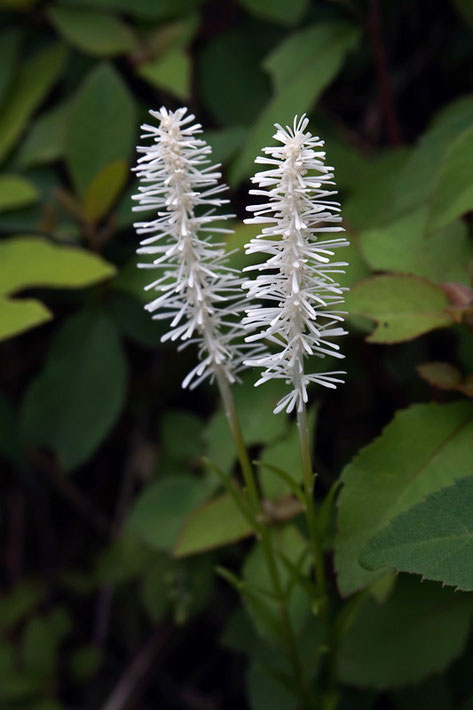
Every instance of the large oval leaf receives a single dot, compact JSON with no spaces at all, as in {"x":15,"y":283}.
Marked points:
{"x":433,"y":538}
{"x":423,"y":449}
{"x":403,"y":307}
{"x":74,"y":402}
{"x":93,"y":31}
{"x":418,"y":631}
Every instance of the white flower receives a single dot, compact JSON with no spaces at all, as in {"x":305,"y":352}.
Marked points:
{"x":297,"y":287}
{"x":195,"y":289}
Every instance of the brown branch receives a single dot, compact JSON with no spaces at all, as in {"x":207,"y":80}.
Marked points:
{"x":137,"y":671}
{"x":386,"y":97}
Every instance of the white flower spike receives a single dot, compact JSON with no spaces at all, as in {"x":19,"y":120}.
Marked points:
{"x":294,"y":297}
{"x":196,"y":290}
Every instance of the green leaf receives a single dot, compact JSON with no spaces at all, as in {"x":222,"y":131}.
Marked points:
{"x":104,"y":190}
{"x":403,"y":307}
{"x":404,"y":246}
{"x":225,"y":142}
{"x":285,"y":454}
{"x":75,"y":400}
{"x":16,"y":316}
{"x":281,"y":11}
{"x":453,"y":192}
{"x":39,"y":647}
{"x":441,"y":375}
{"x":417,"y":179}
{"x":84,"y":662}
{"x":259,"y":425}
{"x":181,"y":435}
{"x":18,"y":603}
{"x":234,"y":91}
{"x":10,"y":41}
{"x":424,"y":448}
{"x":215,"y":523}
{"x":101,"y":126}
{"x":262,"y":607}
{"x":45,"y":141}
{"x":301,"y":67}
{"x":33,"y":83}
{"x":27,"y":262}
{"x":433,"y":538}
{"x":371,"y":187}
{"x":16,"y":191}
{"x":418,"y":631}
{"x":92,"y":31}
{"x":124,"y":560}
{"x":170,"y":72}
{"x":144,"y":9}
{"x":161,"y":509}
{"x":465,"y":9}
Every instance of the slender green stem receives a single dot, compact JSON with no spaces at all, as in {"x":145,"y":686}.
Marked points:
{"x":245,"y":463}
{"x":309,"y":480}
{"x":317,"y":549}
{"x":264,"y":535}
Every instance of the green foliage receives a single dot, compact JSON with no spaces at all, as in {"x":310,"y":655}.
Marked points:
{"x":31,"y":85}
{"x":301,"y":68}
{"x":45,"y":141}
{"x":10,"y":41}
{"x":404,"y":246}
{"x":424,"y":448}
{"x":92,"y":31}
{"x":419,"y":630}
{"x":262,"y":607}
{"x":27,"y":262}
{"x":213,"y":524}
{"x":159,"y":512}
{"x":253,"y":405}
{"x":171,"y":72}
{"x":100,"y":127}
{"x":453,"y":195}
{"x":15,"y":192}
{"x":76,"y":399}
{"x":403,"y":307}
{"x":16,"y":316}
{"x":277,"y":10}
{"x":234,"y":92}
{"x":130,"y":541}
{"x":432,"y":538}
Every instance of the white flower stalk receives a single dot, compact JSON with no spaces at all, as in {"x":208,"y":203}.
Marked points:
{"x":195,"y":289}
{"x":295,"y":294}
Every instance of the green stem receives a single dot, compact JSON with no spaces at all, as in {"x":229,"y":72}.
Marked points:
{"x":317,"y":547}
{"x":264,"y":536}
{"x":309,"y":480}
{"x":230,"y":412}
